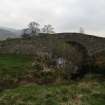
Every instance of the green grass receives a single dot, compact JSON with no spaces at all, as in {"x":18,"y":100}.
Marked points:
{"x":82,"y":93}
{"x":14,"y":60}
{"x":11,"y":64}
{"x":13,"y":67}
{"x":85,"y":92}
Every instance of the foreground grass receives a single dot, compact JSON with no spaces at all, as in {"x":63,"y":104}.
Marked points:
{"x":82,"y":93}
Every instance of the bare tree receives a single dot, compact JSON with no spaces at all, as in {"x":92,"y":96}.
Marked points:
{"x":34,"y":27}
{"x":48,"y":29}
{"x":26,"y":33}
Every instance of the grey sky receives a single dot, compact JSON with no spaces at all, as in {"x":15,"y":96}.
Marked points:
{"x":64,"y":15}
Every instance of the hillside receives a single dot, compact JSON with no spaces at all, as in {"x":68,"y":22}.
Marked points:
{"x":8,"y":33}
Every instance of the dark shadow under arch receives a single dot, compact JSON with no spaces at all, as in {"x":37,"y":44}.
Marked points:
{"x":85,"y":59}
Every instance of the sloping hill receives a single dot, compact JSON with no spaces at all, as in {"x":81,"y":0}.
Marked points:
{"x":4,"y":33}
{"x":17,"y":32}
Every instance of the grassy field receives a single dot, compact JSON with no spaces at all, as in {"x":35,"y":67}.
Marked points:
{"x":82,"y":93}
{"x":13,"y":67}
{"x":88,"y":91}
{"x":10,"y":61}
{"x":10,"y":64}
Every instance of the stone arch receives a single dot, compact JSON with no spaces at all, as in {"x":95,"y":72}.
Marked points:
{"x":81,"y":71}
{"x":80,"y":48}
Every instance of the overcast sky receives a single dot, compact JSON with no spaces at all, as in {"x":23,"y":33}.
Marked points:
{"x":64,"y":15}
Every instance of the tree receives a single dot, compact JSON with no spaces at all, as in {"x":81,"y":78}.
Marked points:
{"x":26,"y":33}
{"x":48,"y":29}
{"x":34,"y":27}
